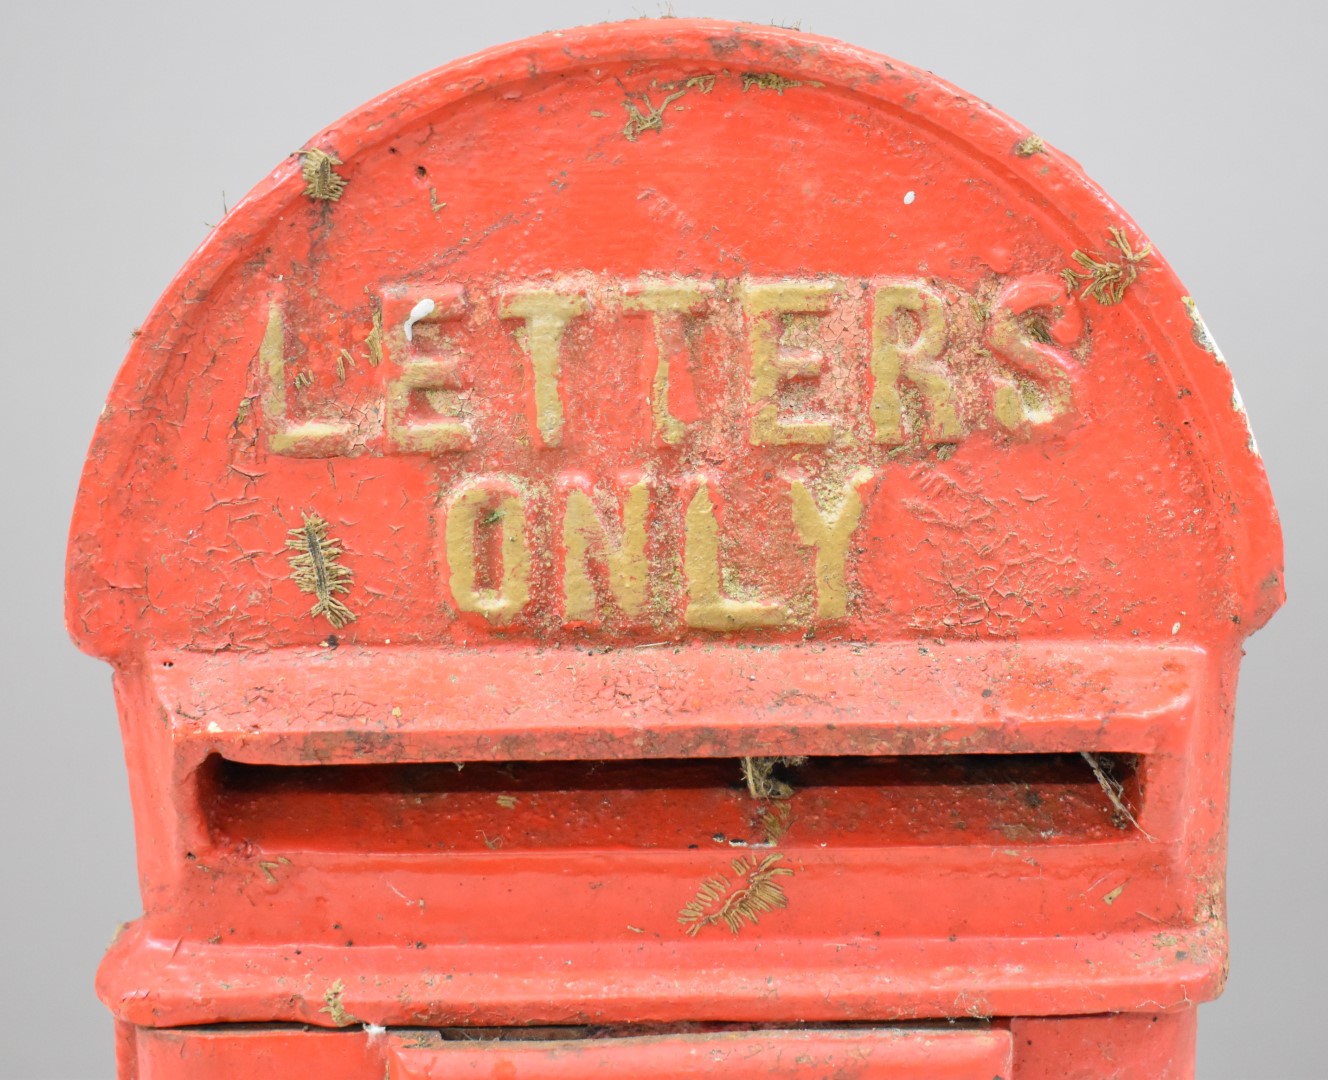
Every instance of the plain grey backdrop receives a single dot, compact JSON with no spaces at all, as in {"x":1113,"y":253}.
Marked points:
{"x":128,"y":127}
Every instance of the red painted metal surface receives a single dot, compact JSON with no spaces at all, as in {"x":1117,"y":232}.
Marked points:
{"x":569,"y":434}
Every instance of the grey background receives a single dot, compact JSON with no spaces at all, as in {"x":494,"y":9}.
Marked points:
{"x":127,"y":127}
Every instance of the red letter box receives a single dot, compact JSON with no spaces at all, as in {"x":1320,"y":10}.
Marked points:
{"x":669,"y":548}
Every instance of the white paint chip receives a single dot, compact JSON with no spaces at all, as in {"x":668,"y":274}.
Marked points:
{"x":422,"y":310}
{"x":1204,"y":339}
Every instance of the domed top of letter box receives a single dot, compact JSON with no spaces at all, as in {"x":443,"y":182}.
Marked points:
{"x":688,"y":297}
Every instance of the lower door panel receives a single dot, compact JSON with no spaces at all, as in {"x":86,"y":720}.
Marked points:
{"x":977,"y":1052}
{"x":869,"y":1054}
{"x":1121,"y":1046}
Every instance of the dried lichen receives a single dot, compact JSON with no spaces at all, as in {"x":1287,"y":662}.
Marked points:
{"x":717,"y":901}
{"x":775,"y":821}
{"x":374,"y":341}
{"x":321,"y":181}
{"x":1103,"y":768}
{"x":767,"y":80}
{"x":1030,"y":146}
{"x":643,"y":115}
{"x":1102,"y":278}
{"x":314,"y":568}
{"x":1035,"y":325}
{"x":759,"y":774}
{"x":333,"y":1007}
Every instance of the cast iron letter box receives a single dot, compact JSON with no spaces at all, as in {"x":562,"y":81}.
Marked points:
{"x":669,"y":548}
